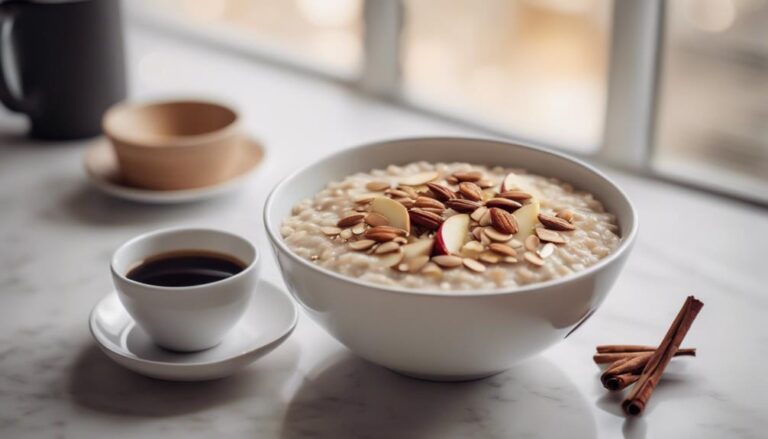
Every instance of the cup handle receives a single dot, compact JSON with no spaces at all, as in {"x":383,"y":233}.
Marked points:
{"x":8,"y":12}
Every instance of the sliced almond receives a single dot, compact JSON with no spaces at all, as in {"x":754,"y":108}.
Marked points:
{"x":473,"y":265}
{"x":489,"y":258}
{"x":410,"y":191}
{"x":502,"y":249}
{"x":351,"y":220}
{"x":387,"y":247}
{"x":417,"y":263}
{"x":471,"y":191}
{"x":365,"y":198}
{"x":468,"y":176}
{"x":407,"y":202}
{"x":358,"y":229}
{"x":495,"y":235}
{"x":452,"y":180}
{"x":447,"y":261}
{"x":546,"y":251}
{"x":432,"y":270}
{"x":472,"y":249}
{"x":515,"y":195}
{"x":485,"y":184}
{"x":532,"y":243}
{"x":477,"y":233}
{"x":346,"y":234}
{"x":389,"y":259}
{"x":330,"y":231}
{"x":485,"y":220}
{"x":363,"y":244}
{"x":514,"y":243}
{"x":555,"y":223}
{"x":376,"y":219}
{"x":400,"y":240}
{"x":419,"y":179}
{"x":549,"y":235}
{"x":533,"y":258}
{"x":484,"y":239}
{"x":566,"y":215}
{"x":434,"y":210}
{"x":377,"y":186}
{"x":397,"y":193}
{"x":509,"y":260}
{"x":478,"y":213}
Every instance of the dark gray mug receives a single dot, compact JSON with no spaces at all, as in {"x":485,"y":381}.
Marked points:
{"x":69,"y":61}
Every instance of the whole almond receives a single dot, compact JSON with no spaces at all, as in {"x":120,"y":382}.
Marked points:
{"x":502,"y":249}
{"x":441,"y":192}
{"x":452,"y":180}
{"x":549,"y":236}
{"x":516,"y":195}
{"x":503,"y":203}
{"x":428,"y":220}
{"x":428,"y":202}
{"x":376,"y":219}
{"x":351,"y":220}
{"x":468,"y":176}
{"x":407,"y":202}
{"x":462,"y":205}
{"x":555,"y":223}
{"x":447,"y":261}
{"x":503,"y":221}
{"x":471,"y":191}
{"x":377,"y":186}
{"x":434,"y":210}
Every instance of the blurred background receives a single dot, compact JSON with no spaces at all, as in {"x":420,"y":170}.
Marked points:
{"x":536,"y":70}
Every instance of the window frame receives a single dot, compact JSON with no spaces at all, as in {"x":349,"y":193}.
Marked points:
{"x":634,"y":66}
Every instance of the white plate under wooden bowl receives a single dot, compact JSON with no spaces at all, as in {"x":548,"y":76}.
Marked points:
{"x":103,"y":172}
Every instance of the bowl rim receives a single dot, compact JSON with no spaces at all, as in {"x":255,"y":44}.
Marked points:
{"x":626,"y":242}
{"x":172,"y":141}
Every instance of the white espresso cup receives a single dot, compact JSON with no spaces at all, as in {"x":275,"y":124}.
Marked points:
{"x":186,"y":318}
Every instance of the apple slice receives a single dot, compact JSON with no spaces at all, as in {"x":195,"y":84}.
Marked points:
{"x":419,"y":179}
{"x":527,"y":217}
{"x":422,"y":247}
{"x":513,"y":182}
{"x":394,"y":212}
{"x":451,"y":235}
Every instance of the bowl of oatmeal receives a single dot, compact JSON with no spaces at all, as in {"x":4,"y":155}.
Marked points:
{"x":449,"y":258}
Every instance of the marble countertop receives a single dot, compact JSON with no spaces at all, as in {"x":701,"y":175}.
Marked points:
{"x":56,"y":236}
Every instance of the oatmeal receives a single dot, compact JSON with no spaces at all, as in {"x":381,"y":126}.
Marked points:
{"x":451,"y":226}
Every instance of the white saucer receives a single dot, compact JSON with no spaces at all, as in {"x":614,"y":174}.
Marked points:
{"x":103,"y":172}
{"x":269,"y":320}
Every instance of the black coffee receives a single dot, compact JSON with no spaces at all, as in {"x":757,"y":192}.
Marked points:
{"x":185,"y":268}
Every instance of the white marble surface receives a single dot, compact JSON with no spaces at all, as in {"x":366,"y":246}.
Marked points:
{"x":56,"y":235}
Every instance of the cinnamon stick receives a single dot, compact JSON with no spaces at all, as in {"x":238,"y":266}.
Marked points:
{"x":633,"y":365}
{"x":629,"y":348}
{"x":612,"y":357}
{"x":620,"y":382}
{"x":635,"y":402}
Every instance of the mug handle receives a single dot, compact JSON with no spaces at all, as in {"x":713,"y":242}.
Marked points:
{"x":8,"y":12}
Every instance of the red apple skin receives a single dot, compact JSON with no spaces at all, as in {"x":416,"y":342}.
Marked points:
{"x":440,"y":248}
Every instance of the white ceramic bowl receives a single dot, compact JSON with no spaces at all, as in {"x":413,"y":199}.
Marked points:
{"x":431,"y":334}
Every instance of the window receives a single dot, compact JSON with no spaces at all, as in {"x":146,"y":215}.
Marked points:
{"x":713,"y":102}
{"x":534,"y":68}
{"x":678,"y":88}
